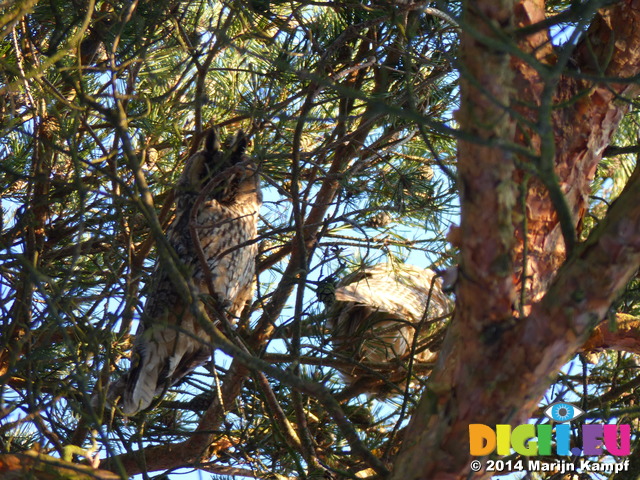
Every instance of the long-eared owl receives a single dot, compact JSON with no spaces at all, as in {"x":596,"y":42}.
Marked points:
{"x":374,"y":317}
{"x":170,"y":342}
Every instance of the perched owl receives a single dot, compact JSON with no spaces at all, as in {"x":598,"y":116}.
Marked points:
{"x":170,"y":342}
{"x":374,"y":317}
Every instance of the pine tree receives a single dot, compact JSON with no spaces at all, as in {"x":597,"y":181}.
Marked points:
{"x":495,"y":139}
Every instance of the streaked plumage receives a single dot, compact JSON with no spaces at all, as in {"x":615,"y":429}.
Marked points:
{"x":375,"y":315}
{"x":227,"y":218}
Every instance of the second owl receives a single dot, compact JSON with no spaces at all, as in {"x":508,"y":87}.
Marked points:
{"x":374,"y":317}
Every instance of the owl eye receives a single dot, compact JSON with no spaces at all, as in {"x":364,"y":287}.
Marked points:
{"x":563,"y":412}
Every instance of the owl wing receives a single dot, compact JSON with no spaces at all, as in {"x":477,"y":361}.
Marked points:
{"x":377,"y":309}
{"x":402,"y":291}
{"x":166,"y":347}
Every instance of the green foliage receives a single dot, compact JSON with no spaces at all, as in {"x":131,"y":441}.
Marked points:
{"x":97,"y":96}
{"x":345,"y":104}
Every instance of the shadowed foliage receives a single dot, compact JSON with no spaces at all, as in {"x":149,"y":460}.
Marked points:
{"x":492,"y":142}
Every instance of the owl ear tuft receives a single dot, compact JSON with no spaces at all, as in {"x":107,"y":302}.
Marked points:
{"x":211,"y":142}
{"x":239,"y":144}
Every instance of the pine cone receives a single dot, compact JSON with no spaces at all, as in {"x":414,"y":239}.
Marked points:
{"x":379,"y":220}
{"x":326,"y":291}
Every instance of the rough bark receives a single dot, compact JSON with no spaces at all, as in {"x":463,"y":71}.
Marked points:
{"x":499,"y":357}
{"x":582,"y":127}
{"x":623,"y":334}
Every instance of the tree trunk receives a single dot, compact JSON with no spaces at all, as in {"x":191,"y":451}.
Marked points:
{"x":505,"y":346}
